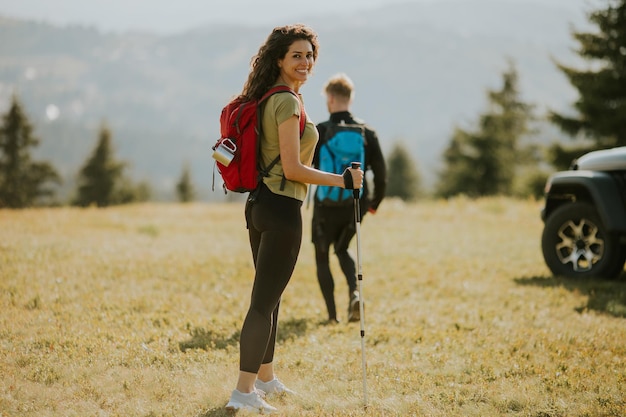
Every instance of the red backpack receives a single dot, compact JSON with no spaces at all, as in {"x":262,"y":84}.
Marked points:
{"x":236,"y":151}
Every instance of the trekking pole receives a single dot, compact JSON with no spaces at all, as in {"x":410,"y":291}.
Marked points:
{"x":357,"y":218}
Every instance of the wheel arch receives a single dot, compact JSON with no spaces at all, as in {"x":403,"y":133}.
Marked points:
{"x":598,"y":188}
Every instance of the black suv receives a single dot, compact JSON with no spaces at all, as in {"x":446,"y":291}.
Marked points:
{"x":584,"y":217}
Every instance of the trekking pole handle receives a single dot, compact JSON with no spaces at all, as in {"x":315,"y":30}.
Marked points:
{"x":356,"y":192}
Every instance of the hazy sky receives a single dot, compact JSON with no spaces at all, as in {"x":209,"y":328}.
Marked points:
{"x":168,"y":16}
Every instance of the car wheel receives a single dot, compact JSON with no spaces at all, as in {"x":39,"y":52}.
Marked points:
{"x":575,"y":244}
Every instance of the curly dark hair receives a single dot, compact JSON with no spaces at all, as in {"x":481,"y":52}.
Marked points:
{"x":264,"y":64}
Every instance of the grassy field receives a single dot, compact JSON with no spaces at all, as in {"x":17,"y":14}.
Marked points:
{"x":136,"y":311}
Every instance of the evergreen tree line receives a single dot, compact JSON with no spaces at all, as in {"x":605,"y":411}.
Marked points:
{"x":101,"y":180}
{"x":490,"y":159}
{"x":493,"y":159}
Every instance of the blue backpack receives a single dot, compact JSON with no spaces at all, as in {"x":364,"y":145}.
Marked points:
{"x":342,"y":145}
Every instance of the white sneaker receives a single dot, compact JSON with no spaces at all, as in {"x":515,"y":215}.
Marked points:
{"x":272,"y":387}
{"x":252,"y":401}
{"x":354,"y":309}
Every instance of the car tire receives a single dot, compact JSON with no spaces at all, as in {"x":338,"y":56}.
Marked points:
{"x":576,"y":244}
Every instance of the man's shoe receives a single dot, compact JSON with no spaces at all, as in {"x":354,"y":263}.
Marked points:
{"x":251,"y":401}
{"x":272,"y":387}
{"x":354,"y":312}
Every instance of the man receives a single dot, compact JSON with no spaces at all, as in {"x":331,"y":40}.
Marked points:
{"x":334,"y":223}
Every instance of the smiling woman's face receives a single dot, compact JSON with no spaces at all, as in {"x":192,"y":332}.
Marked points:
{"x":297,"y":64}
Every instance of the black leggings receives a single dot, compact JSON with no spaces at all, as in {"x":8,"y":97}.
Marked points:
{"x":275,"y":228}
{"x":333,"y":225}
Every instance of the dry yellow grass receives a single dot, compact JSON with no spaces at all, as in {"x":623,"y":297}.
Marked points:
{"x":136,"y":311}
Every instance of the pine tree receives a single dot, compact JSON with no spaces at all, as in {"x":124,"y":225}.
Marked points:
{"x":184,"y":188}
{"x":403,"y":179}
{"x":484,"y":162}
{"x":22,"y":181}
{"x":460,"y":174}
{"x":100,"y":176}
{"x":601,"y":105}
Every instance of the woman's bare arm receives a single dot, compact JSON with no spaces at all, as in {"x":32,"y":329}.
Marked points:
{"x":289,"y":141}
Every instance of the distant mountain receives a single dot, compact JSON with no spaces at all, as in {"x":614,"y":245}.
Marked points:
{"x":419,"y":70}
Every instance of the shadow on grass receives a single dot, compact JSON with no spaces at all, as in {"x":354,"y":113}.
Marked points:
{"x":208,"y":339}
{"x":217,"y":412}
{"x":605,"y":296}
{"x":292,"y":329}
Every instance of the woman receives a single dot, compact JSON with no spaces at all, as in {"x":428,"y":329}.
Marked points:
{"x":273,"y":214}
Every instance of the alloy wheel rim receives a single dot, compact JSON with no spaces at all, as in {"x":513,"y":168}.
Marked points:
{"x":579,"y":245}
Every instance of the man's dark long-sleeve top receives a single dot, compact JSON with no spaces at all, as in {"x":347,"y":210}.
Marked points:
{"x":374,"y":159}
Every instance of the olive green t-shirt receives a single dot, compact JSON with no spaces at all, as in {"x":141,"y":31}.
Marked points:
{"x":278,"y":108}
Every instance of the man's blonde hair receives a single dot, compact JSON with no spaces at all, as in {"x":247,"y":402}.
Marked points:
{"x":340,"y":86}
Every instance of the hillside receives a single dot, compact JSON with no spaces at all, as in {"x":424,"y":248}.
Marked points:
{"x":419,"y":69}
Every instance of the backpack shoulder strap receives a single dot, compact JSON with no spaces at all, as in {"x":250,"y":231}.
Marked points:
{"x":327,"y":125}
{"x":286,"y":89}
{"x":331,"y":127}
{"x":302,"y":119}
